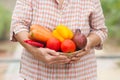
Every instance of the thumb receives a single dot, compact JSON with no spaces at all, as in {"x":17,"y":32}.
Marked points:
{"x":87,"y":48}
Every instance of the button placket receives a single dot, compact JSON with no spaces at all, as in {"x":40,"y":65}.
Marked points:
{"x":60,"y":16}
{"x":61,"y":8}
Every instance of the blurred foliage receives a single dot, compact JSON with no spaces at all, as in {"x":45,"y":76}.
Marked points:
{"x":5,"y":19}
{"x":111,"y":10}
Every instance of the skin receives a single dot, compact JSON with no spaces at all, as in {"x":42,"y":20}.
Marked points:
{"x":92,"y":41}
{"x":43,"y":54}
{"x":61,"y":1}
{"x":50,"y":56}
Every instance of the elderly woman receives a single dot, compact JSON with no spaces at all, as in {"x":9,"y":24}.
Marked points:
{"x":46,"y":64}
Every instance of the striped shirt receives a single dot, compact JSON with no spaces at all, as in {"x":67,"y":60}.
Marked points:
{"x":86,"y":15}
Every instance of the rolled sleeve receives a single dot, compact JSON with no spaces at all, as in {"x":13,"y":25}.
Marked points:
{"x":21,"y":18}
{"x":97,"y":22}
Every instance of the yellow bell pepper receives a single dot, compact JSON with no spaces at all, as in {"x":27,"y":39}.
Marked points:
{"x":62,"y":32}
{"x":57,"y":35}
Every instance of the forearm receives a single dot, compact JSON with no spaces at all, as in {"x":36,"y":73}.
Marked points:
{"x":94,"y":40}
{"x":21,"y":36}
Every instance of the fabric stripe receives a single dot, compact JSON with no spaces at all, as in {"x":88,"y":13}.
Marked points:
{"x":86,"y":15}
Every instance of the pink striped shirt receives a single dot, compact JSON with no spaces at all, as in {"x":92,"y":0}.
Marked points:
{"x":86,"y":15}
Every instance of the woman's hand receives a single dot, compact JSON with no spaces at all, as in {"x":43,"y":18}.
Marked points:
{"x":84,"y":52}
{"x":92,"y":41}
{"x":50,"y":56}
{"x":43,"y":54}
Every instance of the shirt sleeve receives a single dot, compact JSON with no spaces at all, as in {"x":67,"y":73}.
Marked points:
{"x":21,"y":18}
{"x":97,"y":22}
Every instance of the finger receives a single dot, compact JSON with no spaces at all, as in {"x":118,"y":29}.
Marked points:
{"x":60,"y":57}
{"x":81,"y":54}
{"x":75,"y":58}
{"x":87,"y":47}
{"x":52,"y":52}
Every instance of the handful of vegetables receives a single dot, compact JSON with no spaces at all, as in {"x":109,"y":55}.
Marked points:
{"x":62,"y":33}
{"x":61,"y":39}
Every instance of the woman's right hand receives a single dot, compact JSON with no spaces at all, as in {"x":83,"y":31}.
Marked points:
{"x":49,"y":56}
{"x":43,"y":54}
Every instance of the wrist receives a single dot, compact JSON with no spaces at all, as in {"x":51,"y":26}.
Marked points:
{"x":89,"y":42}
{"x":33,"y":50}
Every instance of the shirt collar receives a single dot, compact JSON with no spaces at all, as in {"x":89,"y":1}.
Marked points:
{"x":65,"y":3}
{"x":57,"y":1}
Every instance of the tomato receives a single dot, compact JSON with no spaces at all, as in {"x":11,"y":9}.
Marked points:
{"x":53,"y":44}
{"x":68,"y":46}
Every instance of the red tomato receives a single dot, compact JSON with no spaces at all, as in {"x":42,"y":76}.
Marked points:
{"x":53,"y":44}
{"x":68,"y":46}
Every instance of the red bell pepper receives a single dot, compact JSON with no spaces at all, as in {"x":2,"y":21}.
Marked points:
{"x":34,"y":43}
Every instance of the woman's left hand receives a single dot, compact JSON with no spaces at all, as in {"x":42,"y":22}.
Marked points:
{"x":84,"y":52}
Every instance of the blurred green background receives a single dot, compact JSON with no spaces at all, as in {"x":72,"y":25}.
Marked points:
{"x":111,"y":10}
{"x":5,"y":16}
{"x":108,"y":59}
